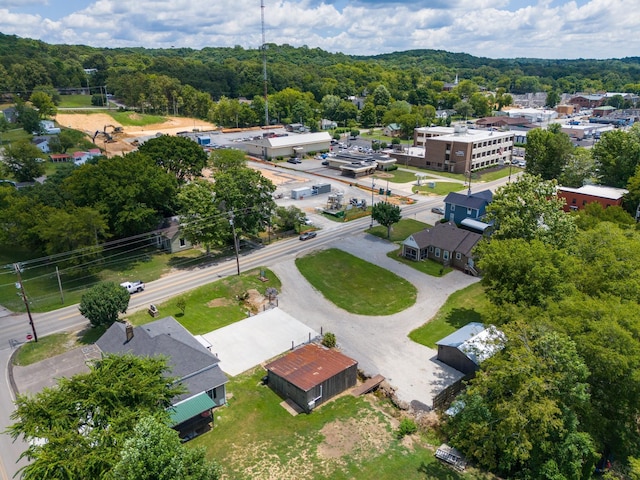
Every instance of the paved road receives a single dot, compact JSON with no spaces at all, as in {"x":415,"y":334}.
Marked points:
{"x":377,"y":342}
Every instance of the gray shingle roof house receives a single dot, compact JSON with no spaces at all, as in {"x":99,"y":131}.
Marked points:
{"x":195,"y":366}
{"x":466,"y":348}
{"x":458,"y":206}
{"x":445,"y":243}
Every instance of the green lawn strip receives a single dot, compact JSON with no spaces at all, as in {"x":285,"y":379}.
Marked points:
{"x":440,"y":188}
{"x":214,"y":305}
{"x":397,"y":176}
{"x":464,"y":306}
{"x":355,"y":285}
{"x":399,"y":231}
{"x":14,"y":135}
{"x":55,"y":344}
{"x":41,"y":283}
{"x":75,"y":101}
{"x":133,"y":119}
{"x":254,"y":437}
{"x":428,"y":266}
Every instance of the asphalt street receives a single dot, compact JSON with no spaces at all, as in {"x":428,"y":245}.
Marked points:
{"x":379,"y":343}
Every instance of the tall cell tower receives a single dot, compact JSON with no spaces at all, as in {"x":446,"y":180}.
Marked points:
{"x":264,"y":66}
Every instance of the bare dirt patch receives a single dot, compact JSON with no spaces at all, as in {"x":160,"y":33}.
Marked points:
{"x":124,"y":142}
{"x":219,"y":302}
{"x":366,"y":436}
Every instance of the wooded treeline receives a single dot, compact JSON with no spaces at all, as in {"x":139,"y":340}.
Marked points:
{"x":185,"y":81}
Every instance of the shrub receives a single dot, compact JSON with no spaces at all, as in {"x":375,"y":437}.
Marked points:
{"x":329,"y":340}
{"x":407,"y":427}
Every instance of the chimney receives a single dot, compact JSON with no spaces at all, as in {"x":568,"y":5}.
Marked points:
{"x":128,"y":328}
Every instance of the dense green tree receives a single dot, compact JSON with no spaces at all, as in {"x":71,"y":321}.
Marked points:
{"x":386,"y":214}
{"x":132,"y":191}
{"x":29,"y":119}
{"x":480,"y":104}
{"x":43,"y":103}
{"x":23,"y":161}
{"x":103,"y":302}
{"x":18,"y":215}
{"x":548,"y":152}
{"x":201,"y":222}
{"x":368,"y":115}
{"x":520,"y":272}
{"x":381,"y":96}
{"x":179,"y":156}
{"x":464,"y":109}
{"x":288,"y":218}
{"x":78,"y":429}
{"x":530,"y":209}
{"x":154,"y":452}
{"x":228,"y":158}
{"x":522,"y":413}
{"x":466,"y":88}
{"x":617,"y":155}
{"x":553,"y":99}
{"x":579,"y":170}
{"x":76,"y":228}
{"x":247,"y":195}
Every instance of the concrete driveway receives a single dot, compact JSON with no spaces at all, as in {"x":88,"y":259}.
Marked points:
{"x":379,"y":344}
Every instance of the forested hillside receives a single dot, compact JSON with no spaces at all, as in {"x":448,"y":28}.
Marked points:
{"x":237,"y":72}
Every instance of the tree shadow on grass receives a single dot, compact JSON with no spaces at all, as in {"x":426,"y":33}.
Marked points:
{"x":438,"y":471}
{"x":459,"y":317}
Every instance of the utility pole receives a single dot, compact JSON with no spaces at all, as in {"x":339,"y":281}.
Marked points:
{"x":373,"y":184}
{"x":235,"y":241}
{"x":18,"y":270}
{"x":264,"y":67}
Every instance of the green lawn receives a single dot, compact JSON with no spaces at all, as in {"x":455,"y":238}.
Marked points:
{"x":214,"y":305}
{"x":133,"y":119}
{"x":75,"y":101}
{"x":428,"y":266}
{"x":41,"y":283}
{"x":14,"y":135}
{"x":440,"y":188}
{"x":55,"y":344}
{"x":346,"y":438}
{"x":397,"y":176}
{"x":355,"y":285}
{"x":399,"y":231}
{"x":464,"y":306}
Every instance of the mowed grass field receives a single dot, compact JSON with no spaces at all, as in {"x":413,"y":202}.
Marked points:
{"x":355,"y":285}
{"x":346,"y":438}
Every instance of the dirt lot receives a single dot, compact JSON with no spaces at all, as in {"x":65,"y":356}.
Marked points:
{"x":90,"y":123}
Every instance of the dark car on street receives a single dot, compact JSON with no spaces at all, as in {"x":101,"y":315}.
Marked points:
{"x":438,"y":210}
{"x":294,"y":160}
{"x":307,"y":235}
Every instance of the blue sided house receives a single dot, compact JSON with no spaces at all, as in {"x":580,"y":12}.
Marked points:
{"x":460,"y":206}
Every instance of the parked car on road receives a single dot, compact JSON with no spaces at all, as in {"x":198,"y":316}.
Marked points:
{"x":294,"y":160}
{"x":307,"y":235}
{"x":438,"y":210}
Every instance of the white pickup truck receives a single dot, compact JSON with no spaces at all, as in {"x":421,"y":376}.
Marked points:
{"x":133,"y":287}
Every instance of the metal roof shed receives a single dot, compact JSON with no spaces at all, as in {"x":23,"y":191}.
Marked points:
{"x":312,"y":374}
{"x":469,"y":346}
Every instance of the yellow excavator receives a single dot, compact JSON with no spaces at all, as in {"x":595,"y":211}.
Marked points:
{"x":108,"y":137}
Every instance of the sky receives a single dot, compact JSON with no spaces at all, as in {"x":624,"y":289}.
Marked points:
{"x":550,"y":29}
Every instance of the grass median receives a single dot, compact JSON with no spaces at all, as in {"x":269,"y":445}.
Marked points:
{"x":355,"y":285}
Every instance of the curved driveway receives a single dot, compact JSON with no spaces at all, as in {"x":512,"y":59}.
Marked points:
{"x":379,"y":343}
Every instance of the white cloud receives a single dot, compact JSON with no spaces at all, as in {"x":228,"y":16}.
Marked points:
{"x":500,"y":28}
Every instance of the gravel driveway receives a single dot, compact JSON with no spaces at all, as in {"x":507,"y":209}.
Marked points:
{"x":379,"y":343}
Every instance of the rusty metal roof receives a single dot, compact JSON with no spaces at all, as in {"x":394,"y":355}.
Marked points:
{"x":310,"y":365}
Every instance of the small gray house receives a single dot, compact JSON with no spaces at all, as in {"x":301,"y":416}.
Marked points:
{"x":469,"y":346}
{"x":170,"y":238}
{"x":311,"y":375}
{"x":195,"y":366}
{"x":444,"y":243}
